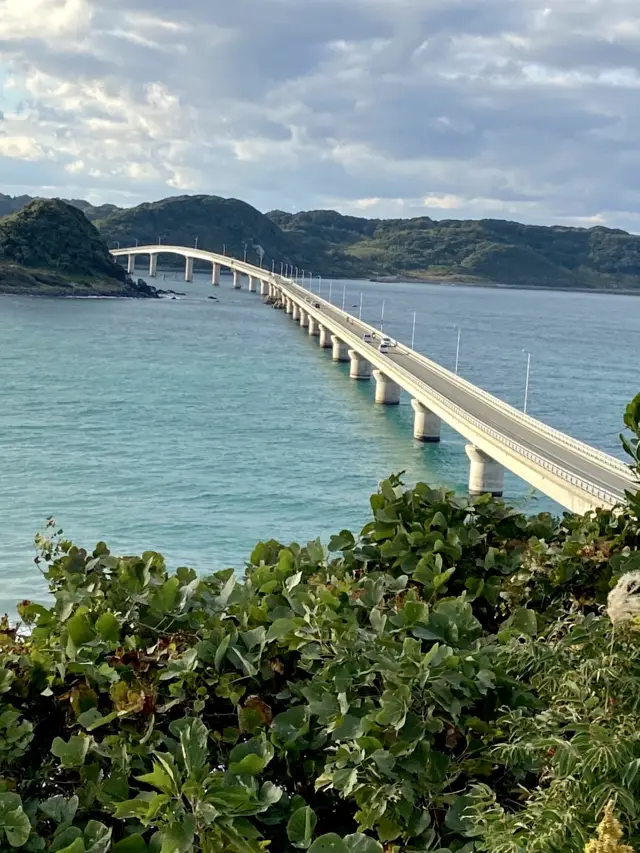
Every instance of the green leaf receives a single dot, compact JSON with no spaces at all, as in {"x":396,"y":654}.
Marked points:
{"x":76,"y":846}
{"x":72,"y":753}
{"x":221,"y":652}
{"x":80,"y":629}
{"x":160,"y":779}
{"x":93,"y":719}
{"x":291,"y":724}
{"x":280,"y":628}
{"x":60,"y":809}
{"x":6,"y":677}
{"x":178,"y":838}
{"x":330,"y":843}
{"x":359,"y":843}
{"x":301,"y":826}
{"x":108,"y":626}
{"x":13,"y":820}
{"x":524,"y":622}
{"x":165,"y":598}
{"x":250,"y":765}
{"x":193,"y":745}
{"x":97,"y":837}
{"x":131,"y":844}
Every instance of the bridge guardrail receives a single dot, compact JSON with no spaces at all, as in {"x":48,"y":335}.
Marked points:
{"x":580,"y":447}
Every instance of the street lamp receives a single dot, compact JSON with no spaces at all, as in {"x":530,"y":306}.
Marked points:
{"x":344,"y":295}
{"x":159,"y":240}
{"x":297,"y":274}
{"x":224,"y":249}
{"x":136,"y":243}
{"x":458,"y":348}
{"x":319,"y":284}
{"x":196,"y":245}
{"x":281,"y":268}
{"x":413,"y":331}
{"x":382,"y":316}
{"x":273,"y":267}
{"x":245,"y":253}
{"x":117,"y":244}
{"x":310,"y":281}
{"x":360,"y":311}
{"x":526,"y":384}
{"x":330,"y":289}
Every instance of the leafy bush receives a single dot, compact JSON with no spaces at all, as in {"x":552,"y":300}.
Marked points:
{"x":448,"y":680}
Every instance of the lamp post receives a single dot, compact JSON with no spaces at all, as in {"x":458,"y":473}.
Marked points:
{"x":196,"y":243}
{"x":281,"y":266}
{"x":413,"y":331}
{"x":458,"y":349}
{"x":159,"y":240}
{"x":273,"y":267}
{"x":382,"y":315}
{"x":330,"y":288}
{"x":344,"y":295}
{"x":224,"y":249}
{"x":117,"y":244}
{"x":310,"y":281}
{"x":319,"y":284}
{"x":297,"y":275}
{"x":245,"y":253}
{"x":136,"y":244}
{"x":526,"y":384}
{"x":360,"y":311}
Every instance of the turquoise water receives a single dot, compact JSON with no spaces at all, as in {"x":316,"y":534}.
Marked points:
{"x":197,"y":427}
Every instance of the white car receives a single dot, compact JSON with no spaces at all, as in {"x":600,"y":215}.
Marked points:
{"x":385,"y":343}
{"x":367,"y":338}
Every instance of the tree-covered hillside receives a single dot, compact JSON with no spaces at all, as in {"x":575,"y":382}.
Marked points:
{"x":51,"y":247}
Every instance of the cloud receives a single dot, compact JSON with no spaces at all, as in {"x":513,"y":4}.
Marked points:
{"x":516,"y":108}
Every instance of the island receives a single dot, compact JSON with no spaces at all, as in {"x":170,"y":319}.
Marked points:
{"x":49,"y":248}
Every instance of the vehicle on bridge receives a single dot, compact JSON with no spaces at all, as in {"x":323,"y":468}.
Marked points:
{"x":385,"y":344}
{"x":367,"y":338}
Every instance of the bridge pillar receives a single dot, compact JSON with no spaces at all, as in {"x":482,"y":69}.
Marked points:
{"x":289,"y":305}
{"x":153,"y":266}
{"x":325,"y":337}
{"x":236,"y":280}
{"x":485,"y":474}
{"x":188,"y":269}
{"x":387,"y":391}
{"x":304,"y":319}
{"x":264,"y":288}
{"x":215,"y":275}
{"x":360,"y":367}
{"x":131,"y":264}
{"x":252,"y":284}
{"x":426,"y":425}
{"x":340,"y":349}
{"x":295,"y":312}
{"x":314,"y":331}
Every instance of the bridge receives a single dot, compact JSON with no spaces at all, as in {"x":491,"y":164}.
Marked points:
{"x":576,"y":475}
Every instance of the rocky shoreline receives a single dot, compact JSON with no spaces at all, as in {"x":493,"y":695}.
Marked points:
{"x":21,"y":281}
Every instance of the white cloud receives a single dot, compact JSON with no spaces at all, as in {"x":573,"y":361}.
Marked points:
{"x":518,"y":108}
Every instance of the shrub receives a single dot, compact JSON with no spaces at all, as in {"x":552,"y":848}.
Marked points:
{"x":446,"y":680}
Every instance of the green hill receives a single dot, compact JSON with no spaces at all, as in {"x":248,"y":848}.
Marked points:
{"x":50,"y":247}
{"x":477,"y":250}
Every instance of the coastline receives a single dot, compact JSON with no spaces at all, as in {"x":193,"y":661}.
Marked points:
{"x":495,"y":285}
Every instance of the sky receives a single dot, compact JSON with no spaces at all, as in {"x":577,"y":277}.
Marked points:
{"x":510,"y":109}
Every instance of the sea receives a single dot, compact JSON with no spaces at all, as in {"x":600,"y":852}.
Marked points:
{"x":197,"y":427}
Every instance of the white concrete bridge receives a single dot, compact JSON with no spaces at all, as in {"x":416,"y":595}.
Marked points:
{"x":576,"y":475}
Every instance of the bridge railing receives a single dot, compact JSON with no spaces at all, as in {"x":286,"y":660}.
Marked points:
{"x":598,"y":456}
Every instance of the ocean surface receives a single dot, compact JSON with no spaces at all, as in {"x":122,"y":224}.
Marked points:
{"x":197,"y":427}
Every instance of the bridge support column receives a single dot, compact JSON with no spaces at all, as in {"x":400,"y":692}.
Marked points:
{"x":264,"y":288}
{"x":188,"y":269}
{"x":314,"y":331}
{"x":153,"y":266}
{"x":295,"y":312}
{"x":304,"y":319}
{"x":387,"y":391}
{"x":289,"y":306}
{"x":236,"y":280}
{"x":131,"y":264}
{"x":426,"y":425}
{"x":215,"y":275}
{"x":325,"y":337}
{"x":340,"y":349}
{"x":252,"y":284}
{"x":485,"y":474}
{"x":360,"y":367}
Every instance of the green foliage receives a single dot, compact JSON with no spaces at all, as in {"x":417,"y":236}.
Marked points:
{"x":447,"y":680}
